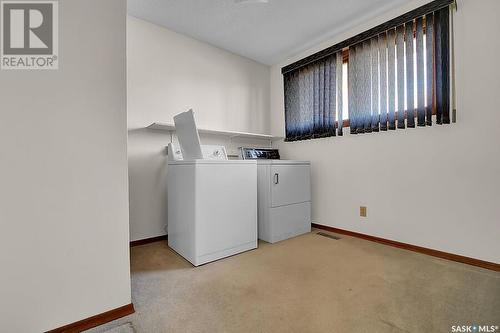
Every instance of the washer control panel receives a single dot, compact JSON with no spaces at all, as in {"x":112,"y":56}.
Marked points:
{"x":210,"y":152}
{"x":213,"y":152}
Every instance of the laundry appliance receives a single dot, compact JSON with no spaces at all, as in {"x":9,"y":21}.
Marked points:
{"x":212,"y":201}
{"x":283,"y":192}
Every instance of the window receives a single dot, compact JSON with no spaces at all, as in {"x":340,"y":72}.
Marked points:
{"x":394,"y":76}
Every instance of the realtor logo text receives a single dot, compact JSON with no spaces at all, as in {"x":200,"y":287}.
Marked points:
{"x":29,"y":34}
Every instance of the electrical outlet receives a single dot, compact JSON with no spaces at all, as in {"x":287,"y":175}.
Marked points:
{"x":362,"y":211}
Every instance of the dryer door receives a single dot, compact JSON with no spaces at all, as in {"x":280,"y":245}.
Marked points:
{"x":290,"y":184}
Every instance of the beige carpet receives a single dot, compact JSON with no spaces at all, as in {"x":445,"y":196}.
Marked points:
{"x":309,"y":284}
{"x":125,"y":328}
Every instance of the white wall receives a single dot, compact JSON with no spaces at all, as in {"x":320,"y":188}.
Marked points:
{"x":169,"y":73}
{"x":434,"y":187}
{"x":64,"y":252}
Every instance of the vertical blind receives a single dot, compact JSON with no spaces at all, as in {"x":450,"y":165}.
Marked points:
{"x":398,"y":77}
{"x":311,"y":99}
{"x":416,"y":75}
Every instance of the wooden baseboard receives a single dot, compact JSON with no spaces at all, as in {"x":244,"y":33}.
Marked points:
{"x":435,"y":253}
{"x":148,"y":240}
{"x":96,"y":320}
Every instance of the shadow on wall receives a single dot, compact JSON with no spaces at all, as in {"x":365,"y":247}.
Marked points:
{"x":147,"y":163}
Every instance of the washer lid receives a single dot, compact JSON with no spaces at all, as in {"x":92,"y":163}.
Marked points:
{"x":187,"y":134}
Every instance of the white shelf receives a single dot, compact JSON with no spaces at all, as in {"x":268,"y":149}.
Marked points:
{"x":232,"y":134}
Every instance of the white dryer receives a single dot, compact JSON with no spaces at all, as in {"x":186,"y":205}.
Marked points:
{"x":283,"y":194}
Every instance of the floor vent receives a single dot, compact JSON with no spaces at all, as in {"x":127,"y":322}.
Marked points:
{"x":328,"y":235}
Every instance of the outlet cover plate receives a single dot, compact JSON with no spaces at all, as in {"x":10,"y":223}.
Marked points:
{"x":362,"y":211}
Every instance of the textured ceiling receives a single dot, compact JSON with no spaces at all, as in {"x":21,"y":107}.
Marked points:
{"x":265,"y":32}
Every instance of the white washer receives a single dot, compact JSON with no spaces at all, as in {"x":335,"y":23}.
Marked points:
{"x":283,"y":195}
{"x":212,"y":201}
{"x":212,"y":208}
